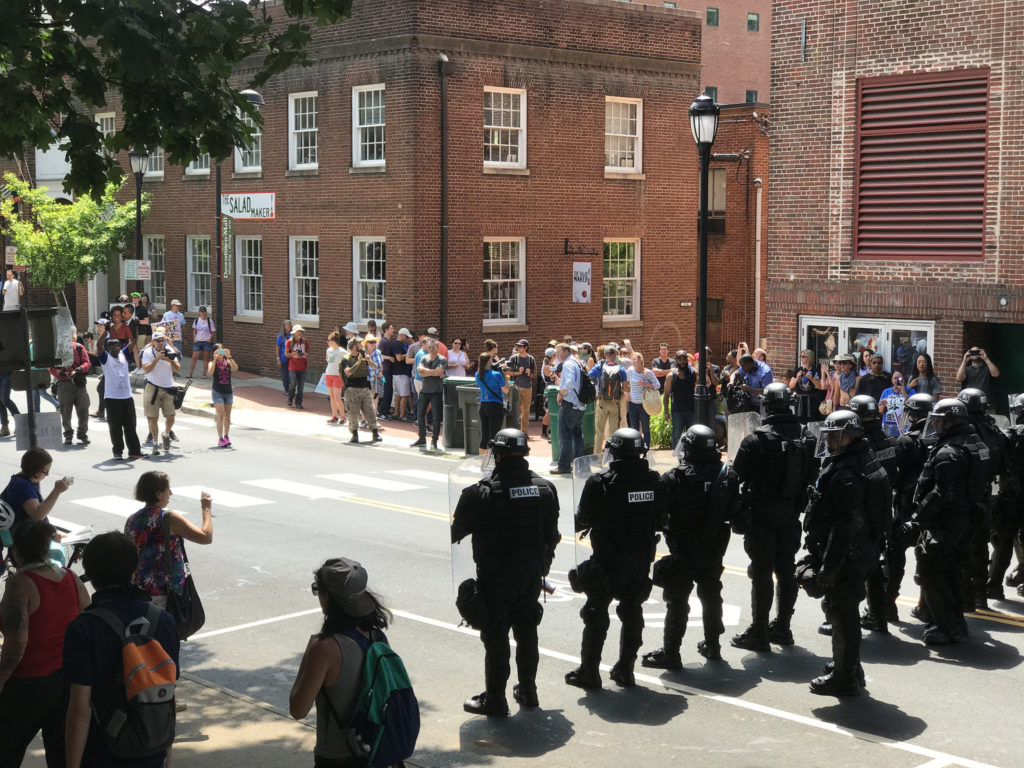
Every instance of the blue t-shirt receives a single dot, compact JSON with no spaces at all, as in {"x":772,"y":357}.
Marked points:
{"x":420,"y":354}
{"x":17,"y":492}
{"x":490,"y":383}
{"x":281,"y":341}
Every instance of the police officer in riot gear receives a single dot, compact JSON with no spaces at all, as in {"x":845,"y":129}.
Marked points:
{"x":843,"y":525}
{"x":942,"y":518}
{"x":998,"y":444}
{"x":884,"y":447}
{"x":911,"y":454}
{"x":622,"y":509}
{"x":775,"y":465}
{"x":1008,"y":512}
{"x":703,"y":497}
{"x":513,"y":519}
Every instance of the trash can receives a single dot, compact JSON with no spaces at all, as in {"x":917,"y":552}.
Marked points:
{"x":551,"y":395}
{"x":588,"y":429}
{"x":513,"y":418}
{"x":453,"y":428}
{"x":469,"y":405}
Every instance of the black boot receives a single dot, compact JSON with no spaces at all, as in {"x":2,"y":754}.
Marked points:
{"x":482,"y":704}
{"x":354,"y":438}
{"x":587,"y":674}
{"x":622,"y":673}
{"x":710,"y":650}
{"x":779,"y":631}
{"x":584,"y":677}
{"x":835,"y":684}
{"x":377,"y":438}
{"x":874,"y":622}
{"x":751,"y":640}
{"x":662,"y":659}
{"x":861,"y":680}
{"x":526,"y":696}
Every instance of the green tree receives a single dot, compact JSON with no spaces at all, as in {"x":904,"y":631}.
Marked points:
{"x":61,"y":243}
{"x":169,"y":63}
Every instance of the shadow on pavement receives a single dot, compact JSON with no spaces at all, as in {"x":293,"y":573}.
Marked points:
{"x":880,"y":718}
{"x":979,"y":651}
{"x":639,"y":705}
{"x":527,"y":734}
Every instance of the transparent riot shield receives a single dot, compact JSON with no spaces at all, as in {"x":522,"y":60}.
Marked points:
{"x":1003,"y":422}
{"x":463,"y":474}
{"x":814,"y":429}
{"x":739,"y":426}
{"x":1010,"y":399}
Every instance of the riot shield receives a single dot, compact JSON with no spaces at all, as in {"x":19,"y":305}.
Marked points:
{"x":1003,"y":422}
{"x":463,"y":474}
{"x":1010,"y":400}
{"x":739,"y":426}
{"x":814,"y":429}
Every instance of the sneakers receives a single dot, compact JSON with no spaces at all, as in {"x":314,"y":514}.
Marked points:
{"x":227,"y":441}
{"x":779,"y":633}
{"x":167,"y":442}
{"x":68,"y":441}
{"x":148,"y":440}
{"x":222,"y":443}
{"x":710,"y":651}
{"x":526,"y":697}
{"x":751,"y":640}
{"x":333,"y":420}
{"x":83,"y":439}
{"x":173,"y":436}
{"x":662,"y":659}
{"x":156,"y":450}
{"x":583,"y":678}
{"x":482,"y":704}
{"x":622,"y":674}
{"x":118,"y":456}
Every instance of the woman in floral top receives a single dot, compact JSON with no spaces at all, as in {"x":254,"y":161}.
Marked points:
{"x":146,"y":529}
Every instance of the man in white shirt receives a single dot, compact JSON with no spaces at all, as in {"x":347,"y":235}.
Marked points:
{"x":118,"y":400}
{"x":160,"y":361}
{"x":570,"y":411}
{"x":13,"y":291}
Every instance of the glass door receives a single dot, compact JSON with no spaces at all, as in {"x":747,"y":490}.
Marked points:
{"x":906,"y":342}
{"x":898,"y":341}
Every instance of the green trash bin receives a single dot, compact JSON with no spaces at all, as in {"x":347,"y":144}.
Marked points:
{"x":453,"y":426}
{"x":469,"y":404}
{"x":551,"y":395}
{"x":588,"y":429}
{"x":513,"y":417}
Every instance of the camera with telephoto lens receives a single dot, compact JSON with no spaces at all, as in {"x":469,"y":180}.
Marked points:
{"x":503,"y":365}
{"x":974,"y":352}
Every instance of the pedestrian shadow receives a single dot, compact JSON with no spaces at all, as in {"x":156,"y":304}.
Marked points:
{"x":530,"y":733}
{"x":113,"y":465}
{"x":879,"y":718}
{"x":979,"y":651}
{"x":638,"y":705}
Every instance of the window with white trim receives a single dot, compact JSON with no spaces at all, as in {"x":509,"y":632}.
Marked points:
{"x":368,"y":125}
{"x":199,"y":279}
{"x":305,"y":277}
{"x":155,"y":166}
{"x":200,"y":166}
{"x":302,"y":130}
{"x":369,"y":278}
{"x":505,"y":127}
{"x":623,"y":134}
{"x":107,"y":124}
{"x":250,"y":157}
{"x":249,"y":286}
{"x":620,"y":292}
{"x":156,"y":286}
{"x":504,"y":295}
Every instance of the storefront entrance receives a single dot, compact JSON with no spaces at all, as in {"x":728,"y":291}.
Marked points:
{"x":898,"y":341}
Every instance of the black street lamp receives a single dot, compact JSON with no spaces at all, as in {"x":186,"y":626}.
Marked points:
{"x":704,"y":124}
{"x":254,"y":97}
{"x":139,"y":161}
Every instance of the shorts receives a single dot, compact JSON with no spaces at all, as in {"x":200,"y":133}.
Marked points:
{"x":403,"y":386}
{"x":202,"y":346}
{"x":164,"y":402}
{"x":333,"y":382}
{"x":222,"y":397}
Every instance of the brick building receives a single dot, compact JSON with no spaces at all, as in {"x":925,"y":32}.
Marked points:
{"x":897,"y":172}
{"x":568,"y":144}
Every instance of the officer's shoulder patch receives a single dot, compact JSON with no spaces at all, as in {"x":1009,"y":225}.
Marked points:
{"x":524,"y":492}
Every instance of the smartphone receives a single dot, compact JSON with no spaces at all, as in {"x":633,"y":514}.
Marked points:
{"x":70,"y":480}
{"x":222,"y":351}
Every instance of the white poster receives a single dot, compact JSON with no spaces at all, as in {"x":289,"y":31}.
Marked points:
{"x":49,"y":432}
{"x":131,"y":270}
{"x":581,"y":282}
{"x":144,"y":270}
{"x":252,"y":206}
{"x":10,"y":253}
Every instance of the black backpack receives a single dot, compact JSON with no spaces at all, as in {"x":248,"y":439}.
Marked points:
{"x":797,"y":459}
{"x":979,"y":468}
{"x":587,"y":392}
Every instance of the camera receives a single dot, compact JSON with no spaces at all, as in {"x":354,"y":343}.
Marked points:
{"x":974,"y":352}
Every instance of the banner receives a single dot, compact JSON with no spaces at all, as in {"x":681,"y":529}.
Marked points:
{"x":581,"y":282}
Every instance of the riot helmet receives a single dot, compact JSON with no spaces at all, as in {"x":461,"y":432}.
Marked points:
{"x":698,"y":444}
{"x":776,"y":398}
{"x":626,"y":442}
{"x":916,"y":408}
{"x":865,"y":407}
{"x":975,"y":400}
{"x":948,"y":412}
{"x":1017,"y":407}
{"x":840,"y":429}
{"x":6,"y":516}
{"x":510,"y":442}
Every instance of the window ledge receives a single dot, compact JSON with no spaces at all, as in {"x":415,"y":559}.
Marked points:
{"x":299,"y":172}
{"x":623,"y":323}
{"x":491,"y":171}
{"x":625,"y":175}
{"x":195,"y":176}
{"x":504,"y":327}
{"x":307,"y":324}
{"x":152,"y":178}
{"x":367,"y":170}
{"x":255,"y":319}
{"x":247,"y":174}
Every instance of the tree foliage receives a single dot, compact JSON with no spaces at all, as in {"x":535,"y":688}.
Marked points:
{"x":168,"y":62}
{"x":65,"y":243}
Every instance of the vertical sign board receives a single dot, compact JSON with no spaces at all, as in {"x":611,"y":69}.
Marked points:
{"x":144,"y":270}
{"x":581,"y":282}
{"x":227,"y":242}
{"x":131,"y":270}
{"x":10,"y":253}
{"x":245,"y":206}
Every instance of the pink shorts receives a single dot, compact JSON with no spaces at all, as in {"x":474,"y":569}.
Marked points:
{"x":333,"y":382}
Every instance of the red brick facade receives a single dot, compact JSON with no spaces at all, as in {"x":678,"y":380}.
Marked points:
{"x":813,"y":266}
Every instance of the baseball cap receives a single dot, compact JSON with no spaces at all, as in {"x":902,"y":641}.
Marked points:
{"x":159,"y":336}
{"x":345,"y":581}
{"x":370,"y":340}
{"x":523,"y":343}
{"x":298,"y":327}
{"x":351,"y":327}
{"x":549,"y":352}
{"x":611,"y":346}
{"x":175,"y":303}
{"x":404,"y":332}
{"x":432,"y":331}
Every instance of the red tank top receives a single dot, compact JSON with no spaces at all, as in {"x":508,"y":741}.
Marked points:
{"x":58,"y":606}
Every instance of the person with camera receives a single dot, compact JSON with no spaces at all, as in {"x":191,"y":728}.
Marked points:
{"x":808,"y":388}
{"x":892,"y":402}
{"x":71,"y":392}
{"x":220,"y":369}
{"x":296,"y":349}
{"x":114,"y":359}
{"x":358,"y":395}
{"x":160,"y":361}
{"x":976,"y":371}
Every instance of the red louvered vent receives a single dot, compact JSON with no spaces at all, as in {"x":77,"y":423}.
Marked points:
{"x":921,"y":166}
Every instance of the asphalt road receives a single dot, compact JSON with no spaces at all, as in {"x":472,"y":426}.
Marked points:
{"x":283,"y":504}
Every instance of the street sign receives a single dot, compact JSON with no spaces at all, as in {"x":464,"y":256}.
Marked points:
{"x":9,"y":254}
{"x":145,"y":270}
{"x":251,"y":206}
{"x":131,"y":270}
{"x":227,"y":235}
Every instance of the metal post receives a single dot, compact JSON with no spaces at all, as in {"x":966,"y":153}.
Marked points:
{"x":220,"y":262}
{"x":443,"y":68}
{"x":138,"y":224}
{"x":701,"y":393}
{"x":30,"y":390}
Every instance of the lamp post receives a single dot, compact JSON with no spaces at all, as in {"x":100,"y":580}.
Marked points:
{"x":139,"y":162}
{"x":254,"y":97}
{"x":704,"y":124}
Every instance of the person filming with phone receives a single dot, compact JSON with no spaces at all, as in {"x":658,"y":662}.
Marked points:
{"x":977,"y":371}
{"x":220,"y":369}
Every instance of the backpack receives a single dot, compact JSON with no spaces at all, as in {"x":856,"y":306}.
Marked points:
{"x":979,"y":468}
{"x":587,"y":391}
{"x":611,"y":385}
{"x":796,"y":457}
{"x":137,"y":718}
{"x":386,"y":719}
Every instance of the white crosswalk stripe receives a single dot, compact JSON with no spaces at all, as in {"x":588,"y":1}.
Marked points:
{"x":221,"y":498}
{"x":369,"y":481}
{"x":115,"y":505}
{"x":420,"y":474}
{"x":304,"y":490}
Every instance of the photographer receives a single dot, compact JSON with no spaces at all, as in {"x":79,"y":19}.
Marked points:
{"x":160,"y":361}
{"x":71,"y":392}
{"x":114,"y":360}
{"x":296,"y":349}
{"x":808,"y":388}
{"x":891,"y":405}
{"x":358,"y":396}
{"x":220,"y":368}
{"x":977,"y":371}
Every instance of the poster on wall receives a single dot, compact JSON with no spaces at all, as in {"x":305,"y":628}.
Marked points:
{"x":581,"y":282}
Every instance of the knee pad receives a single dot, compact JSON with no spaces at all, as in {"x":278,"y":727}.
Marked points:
{"x":593,"y":617}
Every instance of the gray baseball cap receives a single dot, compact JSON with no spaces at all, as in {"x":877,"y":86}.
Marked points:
{"x":345,"y":581}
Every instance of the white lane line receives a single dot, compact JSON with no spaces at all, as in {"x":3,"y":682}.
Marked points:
{"x":221,"y":498}
{"x":73,"y":529}
{"x":293,"y":488}
{"x":937,"y":758}
{"x":368,"y":481}
{"x":115,"y":505}
{"x":420,"y":474}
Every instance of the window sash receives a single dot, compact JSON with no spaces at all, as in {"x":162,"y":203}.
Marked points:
{"x":200,"y":166}
{"x":368,"y":125}
{"x":620,"y":283}
{"x":155,"y":166}
{"x":250,"y":156}
{"x":370,"y":278}
{"x":303,"y":131}
{"x":305,"y":268}
{"x":156,"y":286}
{"x":250,"y":275}
{"x":623,"y":129}
{"x":711,"y":17}
{"x":199,"y":276}
{"x":503,"y":284}
{"x":505,"y":127}
{"x":753,"y":22}
{"x":716,"y":198}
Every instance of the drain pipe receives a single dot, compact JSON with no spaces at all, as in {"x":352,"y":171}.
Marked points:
{"x":444,"y":69}
{"x":757,"y":260}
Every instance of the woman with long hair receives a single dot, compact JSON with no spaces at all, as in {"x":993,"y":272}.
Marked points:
{"x":202,"y":342}
{"x":925,"y":381}
{"x":334,"y":355}
{"x":221,"y":368}
{"x":493,"y":388}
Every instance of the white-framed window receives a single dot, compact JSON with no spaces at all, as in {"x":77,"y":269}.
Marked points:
{"x":250,"y":157}
{"x":200,"y":166}
{"x":623,"y":134}
{"x":155,"y":166}
{"x":368,"y":125}
{"x":107,"y":125}
{"x":369,"y":278}
{"x":504,"y":295}
{"x":305,"y":277}
{"x":620,"y":291}
{"x":302,"y":130}
{"x":199,"y":273}
{"x":505,"y":127}
{"x":156,"y":286}
{"x":249,"y":285}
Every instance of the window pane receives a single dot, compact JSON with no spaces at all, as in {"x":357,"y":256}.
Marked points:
{"x":370,"y":123}
{"x":712,"y":17}
{"x":251,"y":155}
{"x":619,"y":282}
{"x":306,"y":271}
{"x":502,"y":280}
{"x":620,"y":134}
{"x":155,"y":165}
{"x":156,"y":285}
{"x":753,"y":22}
{"x":199,"y":270}
{"x":250,"y":273}
{"x":371,"y":266}
{"x":502,"y":127}
{"x":304,"y":130}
